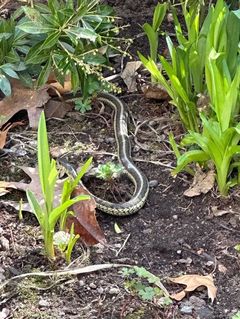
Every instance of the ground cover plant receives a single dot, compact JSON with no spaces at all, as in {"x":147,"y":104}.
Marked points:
{"x":189,"y":244}
{"x":205,"y":63}
{"x":64,"y":38}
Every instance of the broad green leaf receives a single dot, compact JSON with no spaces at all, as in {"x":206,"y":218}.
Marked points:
{"x":189,"y":157}
{"x":56,"y":212}
{"x":50,"y":41}
{"x":43,"y":76}
{"x":83,"y":170}
{"x":5,"y":85}
{"x":34,"y":28}
{"x":36,"y":208}
{"x":82,"y":33}
{"x":44,"y":164}
{"x":9,"y":71}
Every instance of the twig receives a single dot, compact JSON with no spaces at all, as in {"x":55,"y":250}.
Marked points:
{"x":123,"y":245}
{"x":68,"y":272}
{"x":3,"y":4}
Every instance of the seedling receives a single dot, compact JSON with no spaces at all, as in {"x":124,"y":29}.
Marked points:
{"x":47,"y":215}
{"x":109,"y":171}
{"x":236,"y":316}
{"x":144,"y":284}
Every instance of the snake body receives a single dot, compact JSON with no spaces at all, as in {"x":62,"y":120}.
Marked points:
{"x":124,"y":155}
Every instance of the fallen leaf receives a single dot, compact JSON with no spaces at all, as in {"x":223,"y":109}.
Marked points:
{"x":202,"y":183}
{"x":222,"y":268}
{"x":117,"y":229}
{"x":56,"y":109}
{"x":4,"y":132}
{"x":34,"y":186}
{"x":129,"y":75}
{"x":84,"y":219}
{"x":23,"y":98}
{"x":155,"y":91}
{"x":219,"y":212}
{"x":66,"y":88}
{"x":192,"y":282}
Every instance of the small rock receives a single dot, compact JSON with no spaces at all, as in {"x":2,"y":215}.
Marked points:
{"x":1,"y":230}
{"x":114,"y":291}
{"x":186,"y":309}
{"x":175,"y":217}
{"x":4,"y":313}
{"x":4,"y":243}
{"x":179,"y":251}
{"x":92,"y":285}
{"x":43,"y":303}
{"x":2,"y":278}
{"x":109,"y":140}
{"x":100,"y":290}
{"x":81,"y":283}
{"x":153,"y":183}
{"x":204,"y":313}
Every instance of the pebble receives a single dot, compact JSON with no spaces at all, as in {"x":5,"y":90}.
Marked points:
{"x":92,"y":285}
{"x":179,"y":252}
{"x":175,"y":217}
{"x":4,"y":313}
{"x":100,"y":290}
{"x":43,"y":303}
{"x":4,"y":243}
{"x":81,"y":283}
{"x":109,"y":140}
{"x":186,"y":309}
{"x":114,"y":291}
{"x":153,"y":183}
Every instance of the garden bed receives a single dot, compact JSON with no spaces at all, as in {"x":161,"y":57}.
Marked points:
{"x":171,"y":235}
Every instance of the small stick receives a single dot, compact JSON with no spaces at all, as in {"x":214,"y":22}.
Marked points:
{"x":124,"y":244}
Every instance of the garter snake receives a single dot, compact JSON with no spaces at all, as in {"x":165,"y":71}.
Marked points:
{"x":124,"y":155}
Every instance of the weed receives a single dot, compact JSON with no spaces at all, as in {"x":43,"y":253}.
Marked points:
{"x":144,"y":284}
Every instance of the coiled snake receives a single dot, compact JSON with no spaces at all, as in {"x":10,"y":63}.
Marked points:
{"x":124,"y":155}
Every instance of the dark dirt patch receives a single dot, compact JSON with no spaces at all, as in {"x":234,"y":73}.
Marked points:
{"x":170,"y":236}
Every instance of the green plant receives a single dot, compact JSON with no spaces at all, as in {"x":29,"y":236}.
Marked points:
{"x":213,"y":144}
{"x":236,"y":316}
{"x":72,"y":38}
{"x":237,"y":247}
{"x":152,"y":31}
{"x":46,"y":214}
{"x":65,"y":242}
{"x":109,"y":171}
{"x":144,"y":284}
{"x":13,"y":44}
{"x":185,"y":73}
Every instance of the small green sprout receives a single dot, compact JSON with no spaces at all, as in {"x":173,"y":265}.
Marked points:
{"x":236,"y":316}
{"x":109,"y":171}
{"x":237,"y":247}
{"x":145,"y":285}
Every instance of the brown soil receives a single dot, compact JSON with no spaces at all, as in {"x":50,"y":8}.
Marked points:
{"x":172,"y":235}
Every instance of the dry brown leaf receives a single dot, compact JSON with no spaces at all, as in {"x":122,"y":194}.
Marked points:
{"x":222,"y":268}
{"x":34,"y":186}
{"x":84,"y":219}
{"x":23,"y":98}
{"x":192,"y":282}
{"x":56,"y":109}
{"x":85,"y":222}
{"x":129,"y":75}
{"x":202,"y":183}
{"x":155,"y":91}
{"x":4,"y":132}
